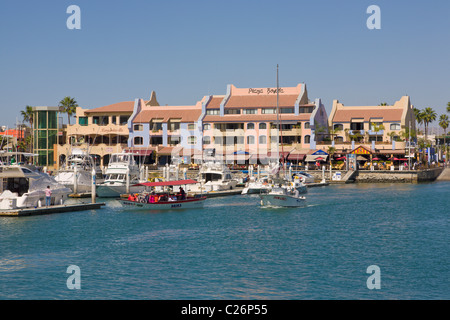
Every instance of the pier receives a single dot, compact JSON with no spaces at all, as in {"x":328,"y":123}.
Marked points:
{"x":49,"y":210}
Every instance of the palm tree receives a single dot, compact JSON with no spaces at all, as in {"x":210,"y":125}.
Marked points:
{"x":68,"y":106}
{"x":428,"y":116}
{"x":377,"y":127}
{"x":27,"y":116}
{"x":443,"y":123}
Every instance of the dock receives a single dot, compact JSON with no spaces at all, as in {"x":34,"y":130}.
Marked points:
{"x":19,"y":212}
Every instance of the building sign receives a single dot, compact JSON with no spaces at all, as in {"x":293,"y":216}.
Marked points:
{"x":320,"y":152}
{"x":360,"y":150}
{"x":265,"y":90}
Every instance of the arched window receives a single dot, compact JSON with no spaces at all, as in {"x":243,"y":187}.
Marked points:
{"x":307,"y":139}
{"x":395,"y":126}
{"x":250,"y":140}
{"x":338,"y":127}
{"x":262,"y":139}
{"x":138,"y":141}
{"x":262,"y":126}
{"x":339,"y":139}
{"x":250,"y":126}
{"x":307,"y":126}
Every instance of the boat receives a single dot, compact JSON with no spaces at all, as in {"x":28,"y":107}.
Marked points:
{"x":22,"y":186}
{"x":164,"y":200}
{"x":79,"y":164}
{"x":282,"y":196}
{"x":122,"y":176}
{"x":307,"y":178}
{"x":265,"y":184}
{"x":214,"y":176}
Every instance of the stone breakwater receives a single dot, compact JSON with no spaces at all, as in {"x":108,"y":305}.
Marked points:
{"x":398,"y":176}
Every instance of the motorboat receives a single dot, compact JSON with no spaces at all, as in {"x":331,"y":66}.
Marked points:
{"x":122,"y":176}
{"x":22,"y":186}
{"x":265,"y":184}
{"x":76,"y":173}
{"x":166,"y":199}
{"x":307,"y":178}
{"x":214,"y":176}
{"x":282,"y":196}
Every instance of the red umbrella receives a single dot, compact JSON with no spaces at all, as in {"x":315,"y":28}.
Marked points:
{"x":376,"y":159}
{"x":403,"y":159}
{"x":320,"y":158}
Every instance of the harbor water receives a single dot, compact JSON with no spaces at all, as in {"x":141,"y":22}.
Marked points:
{"x":235,"y":249}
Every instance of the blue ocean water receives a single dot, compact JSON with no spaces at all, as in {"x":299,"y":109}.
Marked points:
{"x":234,"y":249}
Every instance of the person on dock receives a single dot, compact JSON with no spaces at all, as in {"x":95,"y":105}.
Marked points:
{"x":48,"y":196}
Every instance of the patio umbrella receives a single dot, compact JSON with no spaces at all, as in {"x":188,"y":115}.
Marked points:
{"x":341,"y":158}
{"x":320,"y":159}
{"x":376,"y":159}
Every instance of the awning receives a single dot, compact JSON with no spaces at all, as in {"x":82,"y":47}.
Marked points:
{"x":296,"y":156}
{"x":313,"y":158}
{"x":166,"y":183}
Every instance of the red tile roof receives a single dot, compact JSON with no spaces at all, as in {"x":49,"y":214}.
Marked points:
{"x":125,"y":107}
{"x":368,"y":113}
{"x":256,"y":117}
{"x":186,"y":114}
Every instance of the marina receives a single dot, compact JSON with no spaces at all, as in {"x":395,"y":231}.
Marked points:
{"x":233,"y":248}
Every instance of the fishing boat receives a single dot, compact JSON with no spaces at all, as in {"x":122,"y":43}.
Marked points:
{"x":122,"y":176}
{"x":164,"y":200}
{"x":22,"y":186}
{"x":282,"y":196}
{"x":76,"y":173}
{"x":214,"y":176}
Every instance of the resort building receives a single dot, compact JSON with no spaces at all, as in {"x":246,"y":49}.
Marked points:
{"x":379,"y":130}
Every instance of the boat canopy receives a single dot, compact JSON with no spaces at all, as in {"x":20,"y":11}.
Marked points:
{"x":166,"y":183}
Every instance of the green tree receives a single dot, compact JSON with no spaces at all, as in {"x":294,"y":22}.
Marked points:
{"x":69,"y":106}
{"x":377,"y":127}
{"x":428,"y":116}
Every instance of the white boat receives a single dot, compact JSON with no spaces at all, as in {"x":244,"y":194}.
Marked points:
{"x":282,"y":197}
{"x":120,"y":165}
{"x":23,"y":187}
{"x":265,"y":184}
{"x":79,"y":164}
{"x":164,"y":200}
{"x":308,"y":178}
{"x":214,"y":176}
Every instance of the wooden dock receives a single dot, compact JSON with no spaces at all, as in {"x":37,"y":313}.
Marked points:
{"x":49,"y":210}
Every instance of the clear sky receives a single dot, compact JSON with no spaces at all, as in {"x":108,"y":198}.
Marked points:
{"x":186,"y":49}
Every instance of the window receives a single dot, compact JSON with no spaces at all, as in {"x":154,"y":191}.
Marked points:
{"x":174,"y":140}
{"x":156,"y":126}
{"x":206,"y":140}
{"x":138,"y":127}
{"x":233,"y":111}
{"x":306,"y":109}
{"x":307,"y":125}
{"x":262,"y":126}
{"x":214,"y":112}
{"x":357,"y":126}
{"x":268,"y":111}
{"x":338,"y":127}
{"x":287,"y":110}
{"x":83,"y":121}
{"x":138,"y":141}
{"x":123,"y":120}
{"x":192,"y":140}
{"x":173,"y":126}
{"x":206,"y":126}
{"x":307,"y":139}
{"x":250,"y":126}
{"x":113,"y":119}
{"x":396,"y":126}
{"x":339,"y":139}
{"x":250,"y":140}
{"x":191,"y":126}
{"x":262,"y":139}
{"x":218,"y":140}
{"x":249,"y":111}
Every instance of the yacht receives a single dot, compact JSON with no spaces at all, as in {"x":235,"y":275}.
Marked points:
{"x":115,"y":184}
{"x":24,"y":187}
{"x":266,"y":183}
{"x":79,"y":164}
{"x":214,"y":176}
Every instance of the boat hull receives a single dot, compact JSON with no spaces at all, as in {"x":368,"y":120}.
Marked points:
{"x":279,"y":200}
{"x":165,"y":205}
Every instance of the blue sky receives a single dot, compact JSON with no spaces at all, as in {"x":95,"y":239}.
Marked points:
{"x":184,"y":50}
